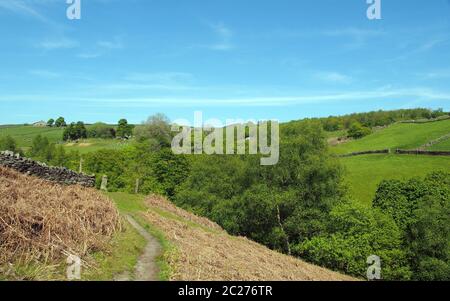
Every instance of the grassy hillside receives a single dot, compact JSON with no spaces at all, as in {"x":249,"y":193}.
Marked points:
{"x":91,"y":145}
{"x":197,"y":249}
{"x":24,"y":134}
{"x":364,"y":173}
{"x":400,"y":135}
{"x":442,"y":146}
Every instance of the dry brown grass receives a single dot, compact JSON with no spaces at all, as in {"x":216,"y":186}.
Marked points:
{"x":43,"y":222}
{"x":205,"y":254}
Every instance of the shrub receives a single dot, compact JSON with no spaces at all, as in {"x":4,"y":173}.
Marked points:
{"x":358,"y":131}
{"x":101,"y":130}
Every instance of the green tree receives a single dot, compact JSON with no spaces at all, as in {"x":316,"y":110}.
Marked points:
{"x":156,"y":128}
{"x":50,"y":122}
{"x":358,"y":131}
{"x":421,"y":209}
{"x":75,"y":131}
{"x":7,"y":143}
{"x":124,"y":130}
{"x":101,"y":130}
{"x":60,"y":122}
{"x":355,"y":233}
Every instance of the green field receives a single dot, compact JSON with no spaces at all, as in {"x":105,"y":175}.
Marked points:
{"x":92,"y":145}
{"x":364,"y":173}
{"x":400,"y":135}
{"x":442,"y":146}
{"x":24,"y":134}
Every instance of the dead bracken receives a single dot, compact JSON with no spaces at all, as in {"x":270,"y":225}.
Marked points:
{"x":42,"y":221}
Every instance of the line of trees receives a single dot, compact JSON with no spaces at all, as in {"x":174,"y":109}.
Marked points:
{"x":76,"y":131}
{"x":60,"y":122}
{"x":376,"y":118}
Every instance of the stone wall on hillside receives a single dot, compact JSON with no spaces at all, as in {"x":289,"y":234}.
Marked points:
{"x":60,"y":175}
{"x":369,"y":152}
{"x":422,"y":152}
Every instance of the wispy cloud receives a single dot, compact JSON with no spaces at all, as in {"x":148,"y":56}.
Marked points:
{"x":427,"y":45}
{"x":162,"y":77}
{"x":22,"y":8}
{"x":432,"y":43}
{"x":358,"y":37}
{"x":170,"y":81}
{"x":102,"y":47}
{"x":333,"y":77}
{"x":436,"y":74}
{"x":223,"y":38}
{"x":44,"y":73}
{"x":63,"y":43}
{"x":116,"y":43}
{"x":89,"y":55}
{"x":224,"y":35}
{"x":420,"y":94}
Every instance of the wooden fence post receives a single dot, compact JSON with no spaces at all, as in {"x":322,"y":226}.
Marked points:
{"x":136,"y":188}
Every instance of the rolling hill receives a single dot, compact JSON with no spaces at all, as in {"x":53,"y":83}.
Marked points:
{"x":24,"y":134}
{"x":399,"y":135}
{"x":364,"y":173}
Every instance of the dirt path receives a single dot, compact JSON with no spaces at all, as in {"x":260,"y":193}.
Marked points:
{"x":146,"y":268}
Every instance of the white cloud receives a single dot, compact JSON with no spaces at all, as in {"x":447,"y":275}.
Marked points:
{"x":436,"y":74}
{"x":224,"y":37}
{"x":420,"y":94}
{"x":63,"y":43}
{"x":89,"y":55}
{"x":44,"y":73}
{"x":116,"y":43}
{"x":162,"y":77}
{"x":20,"y":7}
{"x":102,"y":47}
{"x":333,"y":77}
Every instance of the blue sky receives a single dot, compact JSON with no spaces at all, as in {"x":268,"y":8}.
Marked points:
{"x":259,"y":59}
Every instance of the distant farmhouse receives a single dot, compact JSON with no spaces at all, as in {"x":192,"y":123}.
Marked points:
{"x":40,"y":124}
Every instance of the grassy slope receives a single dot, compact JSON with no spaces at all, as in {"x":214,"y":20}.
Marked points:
{"x":364,"y":173}
{"x":401,"y":135}
{"x":24,"y":134}
{"x":92,"y":145}
{"x":195,"y":248}
{"x":442,"y":146}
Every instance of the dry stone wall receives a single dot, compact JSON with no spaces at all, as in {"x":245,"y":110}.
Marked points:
{"x":60,"y":175}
